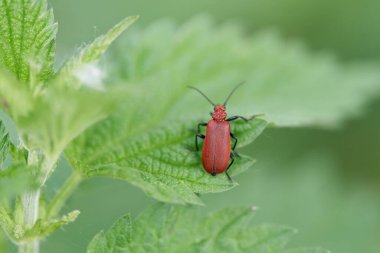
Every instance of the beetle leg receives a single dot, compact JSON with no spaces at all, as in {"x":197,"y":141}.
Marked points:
{"x":234,"y":146}
{"x":199,"y":135}
{"x":232,"y":161}
{"x":196,"y":140}
{"x":232,"y":118}
{"x":243,"y":118}
{"x":237,"y":154}
{"x":201,"y":124}
{"x":236,"y":140}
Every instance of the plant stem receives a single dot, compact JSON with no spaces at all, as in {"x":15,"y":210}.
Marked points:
{"x":31,"y":247}
{"x":63,"y":194}
{"x":30,"y":203}
{"x":31,"y":200}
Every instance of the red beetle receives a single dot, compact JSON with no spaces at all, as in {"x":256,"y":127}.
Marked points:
{"x":217,"y":155}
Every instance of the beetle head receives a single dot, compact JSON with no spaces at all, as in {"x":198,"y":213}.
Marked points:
{"x":219,"y":113}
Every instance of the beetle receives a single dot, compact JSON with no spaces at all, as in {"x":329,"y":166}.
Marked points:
{"x":217,"y":154}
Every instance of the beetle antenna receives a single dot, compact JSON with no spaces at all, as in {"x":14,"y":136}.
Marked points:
{"x":209,"y":100}
{"x":232,"y":92}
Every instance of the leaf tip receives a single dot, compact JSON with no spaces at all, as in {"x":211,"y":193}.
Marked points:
{"x":130,"y":20}
{"x":72,"y":216}
{"x":135,"y":17}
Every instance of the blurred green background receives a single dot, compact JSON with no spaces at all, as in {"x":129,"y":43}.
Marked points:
{"x":323,"y":182}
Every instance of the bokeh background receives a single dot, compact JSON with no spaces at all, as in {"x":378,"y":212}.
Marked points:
{"x":324,"y":182}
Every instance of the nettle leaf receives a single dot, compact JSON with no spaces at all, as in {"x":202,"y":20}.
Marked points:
{"x":9,"y":129}
{"x":114,"y":240}
{"x":21,"y":233}
{"x":16,"y":179}
{"x":59,"y":115}
{"x":64,"y":110}
{"x":148,"y":141}
{"x":164,"y":228}
{"x":15,"y":176}
{"x":27,"y":39}
{"x":143,"y":145}
{"x":15,"y":98}
{"x":49,"y":119}
{"x":43,"y":229}
{"x":82,"y":68}
{"x":160,"y":159}
{"x":286,"y":82}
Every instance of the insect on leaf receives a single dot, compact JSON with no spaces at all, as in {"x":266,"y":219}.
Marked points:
{"x":161,"y":160}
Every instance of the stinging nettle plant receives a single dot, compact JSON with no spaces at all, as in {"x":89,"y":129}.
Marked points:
{"x":116,"y":131}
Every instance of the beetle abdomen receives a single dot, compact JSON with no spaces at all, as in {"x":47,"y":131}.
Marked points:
{"x":217,"y":147}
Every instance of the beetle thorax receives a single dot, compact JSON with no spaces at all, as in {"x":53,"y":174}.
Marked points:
{"x":219,"y":113}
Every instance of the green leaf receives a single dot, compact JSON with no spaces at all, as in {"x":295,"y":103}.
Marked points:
{"x":16,"y":179}
{"x":82,"y":69}
{"x":49,"y":118}
{"x":6,"y":220}
{"x":140,"y":145}
{"x":283,"y":80}
{"x":27,"y":39}
{"x":43,"y":229}
{"x":114,"y":240}
{"x":99,"y":244}
{"x":59,"y":115}
{"x":159,"y":159}
{"x":15,"y":98}
{"x":164,"y":228}
{"x":15,"y":176}
{"x":148,"y":142}
{"x":10,"y":127}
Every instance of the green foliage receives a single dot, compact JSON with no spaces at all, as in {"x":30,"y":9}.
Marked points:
{"x":59,"y":115}
{"x":15,"y":176}
{"x":73,"y":72}
{"x":15,"y":98}
{"x":4,"y":145}
{"x":48,"y":118}
{"x":149,"y":138}
{"x":27,"y":39}
{"x":43,"y":113}
{"x":283,"y":80}
{"x":115,"y":240}
{"x":147,"y":141}
{"x":43,"y":229}
{"x":12,"y":224}
{"x":160,"y":159}
{"x":16,"y":179}
{"x":164,"y":228}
